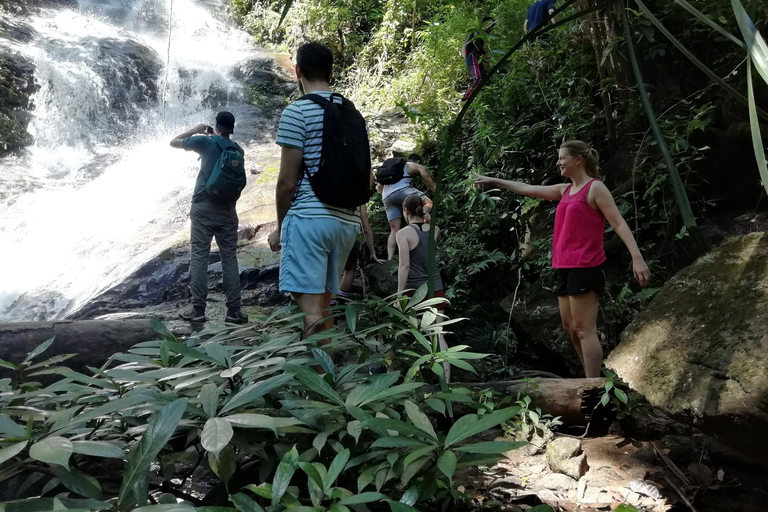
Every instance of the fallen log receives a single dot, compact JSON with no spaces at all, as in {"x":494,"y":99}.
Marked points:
{"x":94,"y":341}
{"x":571,"y":399}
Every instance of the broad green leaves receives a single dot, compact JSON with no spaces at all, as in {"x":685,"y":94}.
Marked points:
{"x":53,"y":450}
{"x":216,"y":434}
{"x":470,"y":425}
{"x":141,"y":455}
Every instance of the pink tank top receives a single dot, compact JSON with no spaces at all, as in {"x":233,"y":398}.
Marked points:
{"x":579,"y":231}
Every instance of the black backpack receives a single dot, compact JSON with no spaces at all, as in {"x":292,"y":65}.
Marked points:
{"x":391,"y":171}
{"x":343,"y":176}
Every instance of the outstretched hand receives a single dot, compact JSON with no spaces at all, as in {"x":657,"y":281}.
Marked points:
{"x":484,"y":181}
{"x":641,"y":272}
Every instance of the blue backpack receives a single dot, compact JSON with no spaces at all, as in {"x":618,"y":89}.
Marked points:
{"x":227,"y":179}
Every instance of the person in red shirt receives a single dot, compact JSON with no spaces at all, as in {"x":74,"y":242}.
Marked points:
{"x":577,"y":247}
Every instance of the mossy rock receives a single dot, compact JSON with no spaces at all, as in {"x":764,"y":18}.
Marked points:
{"x":700,"y":348}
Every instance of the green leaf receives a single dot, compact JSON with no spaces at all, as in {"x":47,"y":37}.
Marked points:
{"x":312,"y":473}
{"x":314,"y":382}
{"x":52,"y":450}
{"x":626,"y":508}
{"x":335,"y":469}
{"x":98,"y":449}
{"x":224,"y":463}
{"x":169,"y":507}
{"x":396,"y":506}
{"x":283,"y":475}
{"x":11,"y":451}
{"x":57,"y":503}
{"x":209,"y":399}
{"x":605,"y":399}
{"x":363,"y":497}
{"x":397,"y":442}
{"x":325,"y":361}
{"x":286,"y":8}
{"x":39,"y":349}
{"x":418,"y":418}
{"x":184,"y":350}
{"x":262,"y":421}
{"x":436,"y":405}
{"x":244,"y":503}
{"x":264,"y":490}
{"x":491,"y":447}
{"x":470,"y":425}
{"x":621,"y":395}
{"x":419,"y":295}
{"x":400,"y":427}
{"x":447,"y":463}
{"x":121,"y":404}
{"x":706,"y":19}
{"x":10,"y":428}
{"x":216,"y":434}
{"x":351,"y":315}
{"x":142,"y":454}
{"x":256,"y":390}
{"x":6,"y":364}
{"x":78,"y":482}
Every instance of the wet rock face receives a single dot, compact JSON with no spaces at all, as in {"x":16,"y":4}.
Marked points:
{"x":161,"y":285}
{"x":130,"y":72}
{"x":699,"y":351}
{"x":17,"y":84}
{"x":265,"y":76}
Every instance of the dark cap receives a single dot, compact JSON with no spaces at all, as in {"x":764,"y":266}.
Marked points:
{"x":225,"y":122}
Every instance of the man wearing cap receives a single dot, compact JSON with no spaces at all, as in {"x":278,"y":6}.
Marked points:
{"x":210,"y":218}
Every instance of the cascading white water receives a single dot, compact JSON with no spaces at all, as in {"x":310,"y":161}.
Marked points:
{"x":101,"y":190}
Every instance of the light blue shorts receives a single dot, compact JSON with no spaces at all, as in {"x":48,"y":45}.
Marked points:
{"x":314,"y":252}
{"x":393,"y":203}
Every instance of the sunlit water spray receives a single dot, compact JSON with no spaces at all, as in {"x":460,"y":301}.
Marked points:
{"x":101,"y":190}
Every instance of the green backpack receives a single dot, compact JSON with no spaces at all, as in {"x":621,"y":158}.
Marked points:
{"x":227,"y":179}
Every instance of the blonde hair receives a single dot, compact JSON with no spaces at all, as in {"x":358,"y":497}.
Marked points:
{"x":584,"y":150}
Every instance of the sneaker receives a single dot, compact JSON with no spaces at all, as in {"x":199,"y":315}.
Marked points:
{"x":193,"y":314}
{"x":236,"y":316}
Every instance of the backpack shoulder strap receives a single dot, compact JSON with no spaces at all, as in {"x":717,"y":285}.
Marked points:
{"x":226,"y":144}
{"x":316,"y":98}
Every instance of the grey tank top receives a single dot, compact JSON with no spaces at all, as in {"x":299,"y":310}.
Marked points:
{"x":417,"y":275}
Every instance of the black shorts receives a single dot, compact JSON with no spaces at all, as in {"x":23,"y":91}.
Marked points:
{"x":578,"y":281}
{"x":354,"y":255}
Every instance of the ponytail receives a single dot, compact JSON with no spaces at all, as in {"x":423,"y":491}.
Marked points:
{"x":414,"y":205}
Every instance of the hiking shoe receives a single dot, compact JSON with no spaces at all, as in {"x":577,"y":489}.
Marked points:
{"x":193,"y":313}
{"x":236,"y":316}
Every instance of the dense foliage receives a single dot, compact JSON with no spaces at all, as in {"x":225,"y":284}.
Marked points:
{"x":237,"y":417}
{"x":575,"y":83}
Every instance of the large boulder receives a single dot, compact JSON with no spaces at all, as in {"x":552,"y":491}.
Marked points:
{"x":536,"y":316}
{"x":382,"y":278}
{"x":700,"y":349}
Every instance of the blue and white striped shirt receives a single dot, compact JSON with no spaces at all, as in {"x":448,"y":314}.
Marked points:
{"x":301,"y":127}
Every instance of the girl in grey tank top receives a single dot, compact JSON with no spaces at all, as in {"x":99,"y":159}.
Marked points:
{"x":413,"y":243}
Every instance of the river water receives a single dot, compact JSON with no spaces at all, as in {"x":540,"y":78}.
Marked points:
{"x":101,"y":191}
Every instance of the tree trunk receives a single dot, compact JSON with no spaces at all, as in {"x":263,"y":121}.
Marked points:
{"x":94,"y":341}
{"x":567,"y":398}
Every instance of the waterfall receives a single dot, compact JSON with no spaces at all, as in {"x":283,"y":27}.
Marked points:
{"x":100,"y":190}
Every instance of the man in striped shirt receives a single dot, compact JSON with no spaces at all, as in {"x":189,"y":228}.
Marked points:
{"x":315,"y":238}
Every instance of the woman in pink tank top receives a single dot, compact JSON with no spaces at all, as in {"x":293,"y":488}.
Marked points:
{"x":577,"y":246}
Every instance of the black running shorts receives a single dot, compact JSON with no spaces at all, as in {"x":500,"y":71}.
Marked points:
{"x":578,"y":281}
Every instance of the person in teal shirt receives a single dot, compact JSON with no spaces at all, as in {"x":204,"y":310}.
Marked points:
{"x":209,"y":219}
